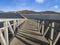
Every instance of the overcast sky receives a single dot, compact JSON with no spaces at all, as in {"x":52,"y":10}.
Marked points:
{"x":36,"y":5}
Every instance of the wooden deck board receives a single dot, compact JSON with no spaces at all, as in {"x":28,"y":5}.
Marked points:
{"x":27,"y":35}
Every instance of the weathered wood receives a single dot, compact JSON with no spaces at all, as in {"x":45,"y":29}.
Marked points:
{"x":47,"y":30}
{"x":52,"y":33}
{"x":29,"y":35}
{"x":42,"y":27}
{"x":2,"y":38}
{"x":6,"y":33}
{"x":14,"y":26}
{"x":55,"y":41}
{"x":12,"y":31}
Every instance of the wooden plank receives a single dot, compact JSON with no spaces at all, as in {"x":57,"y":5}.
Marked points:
{"x":6,"y":33}
{"x":2,"y":39}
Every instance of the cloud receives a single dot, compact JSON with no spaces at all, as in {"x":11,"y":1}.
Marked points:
{"x":39,"y":1}
{"x":55,"y":6}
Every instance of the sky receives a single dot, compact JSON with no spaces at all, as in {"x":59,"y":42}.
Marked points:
{"x":35,"y":5}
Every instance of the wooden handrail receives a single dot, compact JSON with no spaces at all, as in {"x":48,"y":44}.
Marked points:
{"x":5,"y":38}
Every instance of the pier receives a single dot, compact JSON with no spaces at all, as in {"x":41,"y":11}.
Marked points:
{"x":32,"y":29}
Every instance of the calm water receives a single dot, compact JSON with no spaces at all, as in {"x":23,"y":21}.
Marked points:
{"x":55,"y":18}
{"x":43,"y":16}
{"x":47,"y":19}
{"x":9,"y":16}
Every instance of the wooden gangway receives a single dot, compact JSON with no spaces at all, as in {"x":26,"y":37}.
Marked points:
{"x":8,"y":24}
{"x":30,"y":29}
{"x":28,"y":35}
{"x":48,"y":25}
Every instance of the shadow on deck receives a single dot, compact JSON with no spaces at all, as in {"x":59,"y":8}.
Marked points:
{"x":27,"y":35}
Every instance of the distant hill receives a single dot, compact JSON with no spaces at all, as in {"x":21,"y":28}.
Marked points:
{"x":50,"y":12}
{"x":34,"y":12}
{"x":1,"y":11}
{"x":27,"y":12}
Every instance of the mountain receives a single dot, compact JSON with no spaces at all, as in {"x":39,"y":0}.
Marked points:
{"x":49,"y":12}
{"x":34,"y":12}
{"x":27,"y":12}
{"x":1,"y":11}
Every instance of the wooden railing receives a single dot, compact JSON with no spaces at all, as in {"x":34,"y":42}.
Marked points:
{"x":40,"y":25}
{"x":40,"y":20}
{"x":4,"y":37}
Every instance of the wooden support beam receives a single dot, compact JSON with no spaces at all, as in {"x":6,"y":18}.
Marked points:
{"x":1,"y":42}
{"x":39,"y":28}
{"x":47,"y":30}
{"x":12,"y":31}
{"x":2,"y":39}
{"x":42,"y":27}
{"x":18,"y":22}
{"x":14,"y":26}
{"x":52,"y":33}
{"x":6,"y":33}
{"x":55,"y":41}
{"x":37,"y":25}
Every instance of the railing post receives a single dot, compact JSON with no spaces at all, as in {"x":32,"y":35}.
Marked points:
{"x":42,"y":27}
{"x":35,"y":25}
{"x":39,"y":26}
{"x":52,"y":33}
{"x":10,"y":28}
{"x":18,"y":23}
{"x":6,"y":33}
{"x":14,"y":26}
{"x":47,"y":30}
{"x":2,"y":39}
{"x":57,"y":38}
{"x":1,"y":42}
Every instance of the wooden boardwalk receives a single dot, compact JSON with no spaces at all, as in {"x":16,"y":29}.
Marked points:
{"x":28,"y":35}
